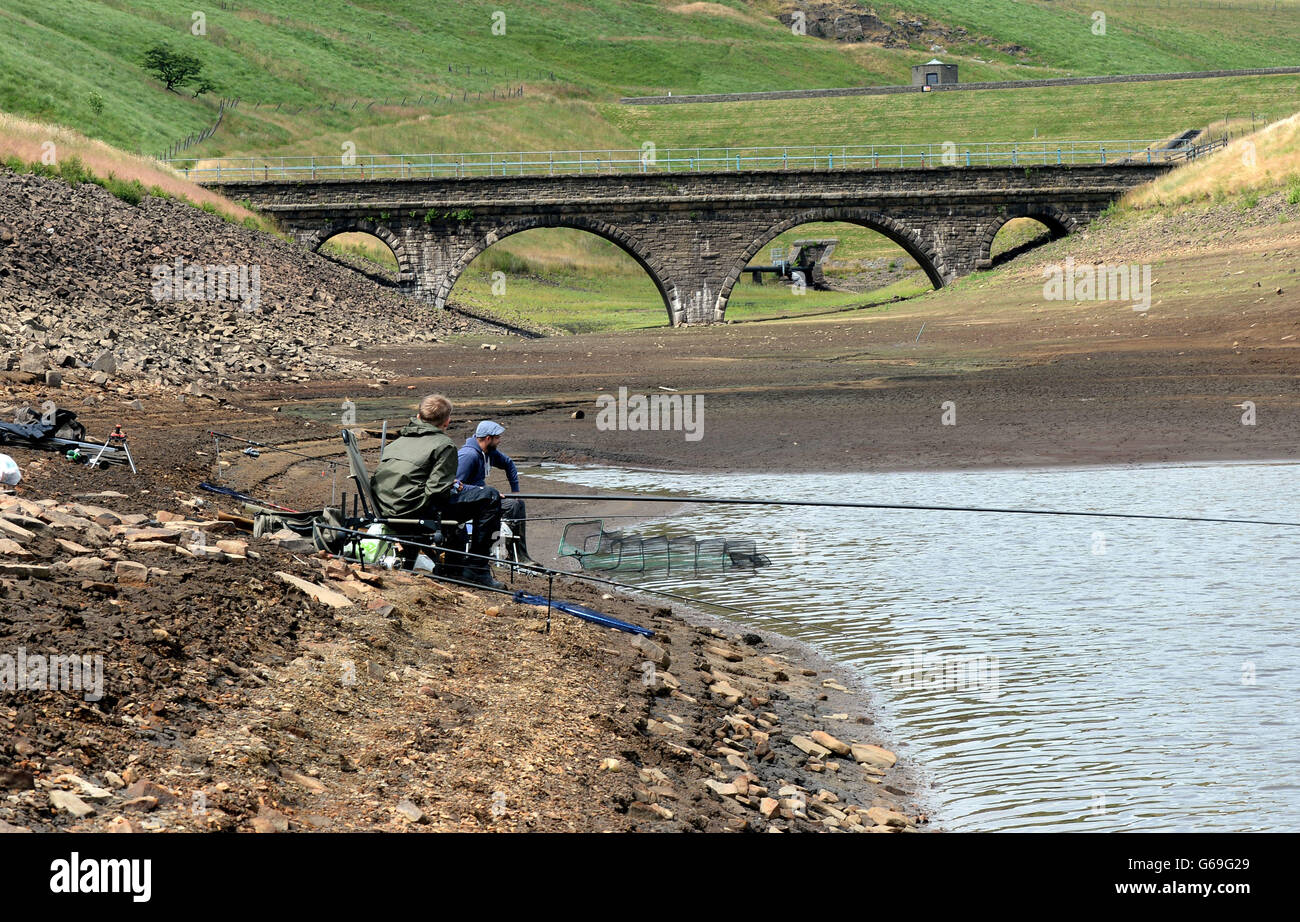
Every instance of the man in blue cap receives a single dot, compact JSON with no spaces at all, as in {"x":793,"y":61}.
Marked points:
{"x":476,"y":456}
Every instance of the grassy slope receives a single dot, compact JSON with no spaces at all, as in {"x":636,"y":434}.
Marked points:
{"x":1141,"y":36}
{"x":23,"y":148}
{"x":1110,"y":111}
{"x":1264,"y":162}
{"x":313,"y":52}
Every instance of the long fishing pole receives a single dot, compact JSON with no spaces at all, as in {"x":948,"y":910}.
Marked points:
{"x":844,"y":504}
{"x":567,"y":518}
{"x":245,"y":497}
{"x":268,"y":447}
{"x":569,"y":608}
{"x":540,"y":571}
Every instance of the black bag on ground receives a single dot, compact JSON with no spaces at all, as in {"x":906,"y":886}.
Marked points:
{"x":29,"y":427}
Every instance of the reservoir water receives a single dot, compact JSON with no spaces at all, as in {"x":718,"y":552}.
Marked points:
{"x":1045,"y":673}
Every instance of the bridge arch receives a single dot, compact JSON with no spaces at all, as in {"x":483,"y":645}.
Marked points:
{"x":1058,"y":223}
{"x":929,"y":259}
{"x":405,"y":263}
{"x":613,"y":234}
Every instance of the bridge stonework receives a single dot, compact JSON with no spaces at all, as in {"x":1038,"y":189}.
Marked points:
{"x":693,"y":233}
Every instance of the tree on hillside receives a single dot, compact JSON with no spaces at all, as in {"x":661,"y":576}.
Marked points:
{"x":176,"y":68}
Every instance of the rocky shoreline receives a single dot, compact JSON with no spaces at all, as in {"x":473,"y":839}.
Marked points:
{"x":254,"y":685}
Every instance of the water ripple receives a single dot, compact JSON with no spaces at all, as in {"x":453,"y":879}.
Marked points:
{"x":1048,"y":673}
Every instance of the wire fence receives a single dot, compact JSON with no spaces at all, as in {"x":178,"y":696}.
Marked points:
{"x":199,"y":137}
{"x":691,"y":160}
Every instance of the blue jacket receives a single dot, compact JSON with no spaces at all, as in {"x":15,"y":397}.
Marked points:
{"x":473,"y":463}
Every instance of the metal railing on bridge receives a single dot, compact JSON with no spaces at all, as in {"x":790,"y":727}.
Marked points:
{"x":689,"y":160}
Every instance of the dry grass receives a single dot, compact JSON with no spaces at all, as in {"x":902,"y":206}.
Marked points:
{"x":28,"y":141}
{"x":1265,"y":161}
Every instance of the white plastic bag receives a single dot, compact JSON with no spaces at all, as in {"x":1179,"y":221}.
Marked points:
{"x":374,"y":550}
{"x":10,"y":475}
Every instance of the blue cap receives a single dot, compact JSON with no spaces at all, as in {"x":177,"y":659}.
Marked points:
{"x":487,"y":427}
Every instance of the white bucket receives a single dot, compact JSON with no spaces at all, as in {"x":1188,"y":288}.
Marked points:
{"x":10,"y":475}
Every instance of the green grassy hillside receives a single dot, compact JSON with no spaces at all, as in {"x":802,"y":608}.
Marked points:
{"x":315,"y":73}
{"x":1141,"y":36}
{"x":1108,"y":111}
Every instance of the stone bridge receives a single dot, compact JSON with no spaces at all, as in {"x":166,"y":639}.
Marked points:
{"x":693,"y":233}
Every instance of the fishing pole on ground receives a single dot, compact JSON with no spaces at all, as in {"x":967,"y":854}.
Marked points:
{"x":845,"y":504}
{"x":245,"y":497}
{"x":255,"y":449}
{"x":569,"y":518}
{"x":539,"y":570}
{"x":571,"y":608}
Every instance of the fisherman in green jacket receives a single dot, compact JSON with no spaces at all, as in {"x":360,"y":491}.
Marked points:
{"x":416,"y":479}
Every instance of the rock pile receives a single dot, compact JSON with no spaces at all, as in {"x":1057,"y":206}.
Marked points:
{"x":843,"y":22}
{"x":86,"y":289}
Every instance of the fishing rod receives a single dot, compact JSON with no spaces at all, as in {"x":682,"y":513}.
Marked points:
{"x":255,"y":449}
{"x":245,"y":497}
{"x":844,"y":504}
{"x":566,"y":518}
{"x":569,"y":608}
{"x":539,"y":570}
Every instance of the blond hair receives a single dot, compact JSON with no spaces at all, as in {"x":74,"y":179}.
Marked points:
{"x":435,"y":409}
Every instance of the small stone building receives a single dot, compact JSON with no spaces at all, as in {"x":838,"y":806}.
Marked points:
{"x":935,"y":73}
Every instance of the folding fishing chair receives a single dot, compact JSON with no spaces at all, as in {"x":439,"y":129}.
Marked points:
{"x":448,"y":535}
